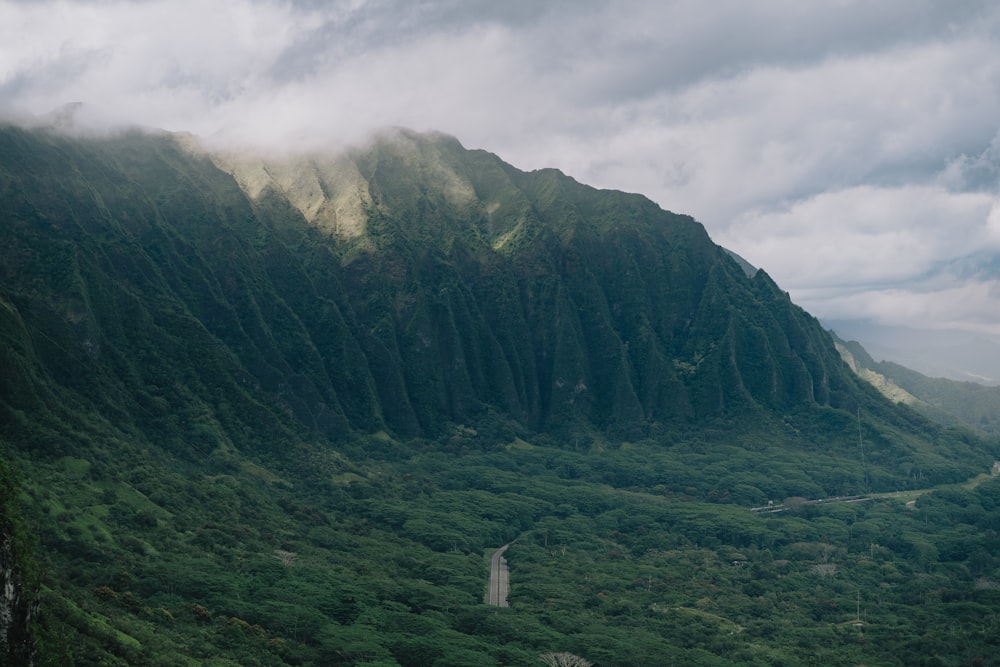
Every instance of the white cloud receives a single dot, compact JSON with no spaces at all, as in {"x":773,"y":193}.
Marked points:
{"x":865,"y":235}
{"x":968,"y":306}
{"x":851,"y":149}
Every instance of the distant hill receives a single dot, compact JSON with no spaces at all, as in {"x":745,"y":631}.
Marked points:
{"x":954,"y":355}
{"x":968,"y":403}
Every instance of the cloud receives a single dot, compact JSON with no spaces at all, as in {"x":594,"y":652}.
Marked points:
{"x":918,"y":255}
{"x":966,"y":306}
{"x":866,"y":235}
{"x":849,"y":148}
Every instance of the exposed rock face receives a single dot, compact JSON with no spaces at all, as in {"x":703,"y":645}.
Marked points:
{"x":18,"y":598}
{"x":886,"y":387}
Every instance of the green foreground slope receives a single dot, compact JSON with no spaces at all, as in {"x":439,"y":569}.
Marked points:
{"x":279,"y":415}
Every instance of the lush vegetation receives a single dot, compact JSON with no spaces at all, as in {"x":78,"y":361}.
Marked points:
{"x":241,"y":438}
{"x":973,"y":405}
{"x":384,"y":562}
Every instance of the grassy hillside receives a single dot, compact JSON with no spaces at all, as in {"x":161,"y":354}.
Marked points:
{"x":975,"y":406}
{"x":280,"y":414}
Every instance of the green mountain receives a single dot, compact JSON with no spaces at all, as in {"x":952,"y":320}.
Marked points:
{"x":955,"y":355}
{"x":279,"y":410}
{"x":970,"y":404}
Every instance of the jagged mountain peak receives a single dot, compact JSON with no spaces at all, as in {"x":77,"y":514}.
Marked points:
{"x":404,"y":285}
{"x":420,"y":179}
{"x":336,"y":190}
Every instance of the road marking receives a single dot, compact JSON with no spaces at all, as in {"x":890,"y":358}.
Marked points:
{"x":499,"y":586}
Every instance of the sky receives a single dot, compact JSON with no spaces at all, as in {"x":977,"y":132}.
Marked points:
{"x":850,"y":148}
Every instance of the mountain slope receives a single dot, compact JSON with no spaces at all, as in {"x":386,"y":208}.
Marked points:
{"x":145,"y":287}
{"x":640,"y":291}
{"x":959,"y":356}
{"x":276,"y":410}
{"x":541,"y":298}
{"x":968,"y":403}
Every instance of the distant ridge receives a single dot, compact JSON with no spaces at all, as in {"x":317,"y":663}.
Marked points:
{"x":955,"y":355}
{"x":970,"y":404}
{"x":747,"y":267}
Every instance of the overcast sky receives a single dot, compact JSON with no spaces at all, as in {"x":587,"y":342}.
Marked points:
{"x":851,"y":148}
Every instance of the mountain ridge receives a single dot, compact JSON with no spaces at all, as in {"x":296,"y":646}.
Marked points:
{"x":529,"y":297}
{"x":945,"y":400}
{"x":961,"y":356}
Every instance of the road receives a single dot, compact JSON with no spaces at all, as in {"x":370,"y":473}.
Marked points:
{"x":499,"y":579}
{"x":774,"y":509}
{"x":910,"y":495}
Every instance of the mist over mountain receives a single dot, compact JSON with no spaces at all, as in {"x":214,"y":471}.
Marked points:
{"x":218,"y":365}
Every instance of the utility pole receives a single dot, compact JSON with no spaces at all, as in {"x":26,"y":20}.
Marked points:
{"x":864,"y":466}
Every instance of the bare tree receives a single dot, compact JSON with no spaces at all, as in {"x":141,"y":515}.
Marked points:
{"x":564,"y":660}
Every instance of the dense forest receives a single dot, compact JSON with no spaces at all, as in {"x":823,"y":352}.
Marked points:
{"x":280,"y":412}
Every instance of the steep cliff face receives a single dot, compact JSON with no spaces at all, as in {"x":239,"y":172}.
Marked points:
{"x":411,"y":286}
{"x":541,"y":297}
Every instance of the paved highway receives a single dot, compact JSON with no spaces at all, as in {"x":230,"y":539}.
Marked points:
{"x":499,"y":579}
